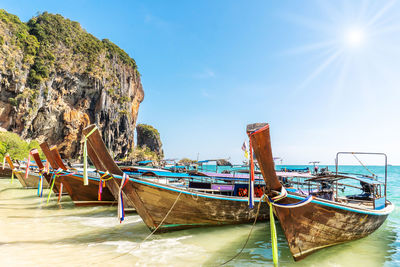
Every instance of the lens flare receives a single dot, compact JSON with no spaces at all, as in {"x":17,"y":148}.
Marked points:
{"x":354,"y":37}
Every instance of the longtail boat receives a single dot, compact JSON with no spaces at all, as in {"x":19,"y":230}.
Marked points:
{"x":27,"y":180}
{"x":42,"y":171}
{"x":322,"y":218}
{"x":103,"y":162}
{"x":165,"y":207}
{"x":72,"y":182}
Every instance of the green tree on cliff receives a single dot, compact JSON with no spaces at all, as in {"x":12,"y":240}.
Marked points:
{"x":19,"y":149}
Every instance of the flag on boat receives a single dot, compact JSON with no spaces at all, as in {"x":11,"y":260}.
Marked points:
{"x":244,"y":148}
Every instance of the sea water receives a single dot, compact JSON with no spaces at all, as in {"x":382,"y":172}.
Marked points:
{"x":35,"y":234}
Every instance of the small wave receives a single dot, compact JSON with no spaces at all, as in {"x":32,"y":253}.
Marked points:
{"x":103,"y":222}
{"x":157,"y":251}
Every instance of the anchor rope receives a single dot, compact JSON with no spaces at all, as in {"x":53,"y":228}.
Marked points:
{"x":248,"y":236}
{"x":155,"y":230}
{"x":272,"y":202}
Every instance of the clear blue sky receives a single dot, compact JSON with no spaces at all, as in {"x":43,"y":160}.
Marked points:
{"x":324,"y":74}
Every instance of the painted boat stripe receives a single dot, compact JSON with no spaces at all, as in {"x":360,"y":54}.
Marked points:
{"x":384,"y":211}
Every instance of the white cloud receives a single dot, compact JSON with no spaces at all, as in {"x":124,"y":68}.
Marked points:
{"x":205,"y":74}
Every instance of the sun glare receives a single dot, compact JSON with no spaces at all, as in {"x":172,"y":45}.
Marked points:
{"x":354,"y":37}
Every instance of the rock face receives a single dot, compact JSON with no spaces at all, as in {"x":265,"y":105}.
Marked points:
{"x":55,"y":79}
{"x":223,"y":162}
{"x":148,"y":136}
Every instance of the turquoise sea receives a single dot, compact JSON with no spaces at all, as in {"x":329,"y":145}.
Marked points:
{"x":33,"y":234}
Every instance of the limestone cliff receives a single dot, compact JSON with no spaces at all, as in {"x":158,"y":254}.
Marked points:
{"x":55,"y":79}
{"x":148,"y":136}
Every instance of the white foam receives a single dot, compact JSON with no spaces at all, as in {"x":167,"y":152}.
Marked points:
{"x":103,"y":222}
{"x":157,"y":251}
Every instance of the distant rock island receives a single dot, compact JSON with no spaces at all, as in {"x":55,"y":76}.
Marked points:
{"x":55,"y":79}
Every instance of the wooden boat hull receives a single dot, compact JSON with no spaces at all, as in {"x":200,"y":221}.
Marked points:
{"x":321,"y":223}
{"x":84,"y":195}
{"x":31,"y":181}
{"x":192,"y":209}
{"x":6,"y":172}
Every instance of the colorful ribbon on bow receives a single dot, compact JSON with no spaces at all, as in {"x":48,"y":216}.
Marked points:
{"x":55,"y":174}
{"x":47,"y":167}
{"x":4,"y":162}
{"x":102,"y":184}
{"x":251,"y":180}
{"x":121,"y":210}
{"x":40,"y":184}
{"x":13,"y":171}
{"x":27,"y":165}
{"x":274,"y":242}
{"x":60,"y":192}
{"x":85,"y":175}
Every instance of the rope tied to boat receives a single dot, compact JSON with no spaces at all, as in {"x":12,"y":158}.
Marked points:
{"x":248,"y":236}
{"x":195,"y":194}
{"x":283,"y":194}
{"x":121,"y":210}
{"x":85,"y":175}
{"x":155,"y":230}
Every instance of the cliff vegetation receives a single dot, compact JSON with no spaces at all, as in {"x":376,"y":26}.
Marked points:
{"x":56,"y":78}
{"x":18,"y":148}
{"x":149,"y":140}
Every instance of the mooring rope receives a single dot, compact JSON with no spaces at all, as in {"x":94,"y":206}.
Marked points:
{"x":155,"y":230}
{"x":248,"y":236}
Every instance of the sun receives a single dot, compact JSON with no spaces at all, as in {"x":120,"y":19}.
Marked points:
{"x":354,"y":37}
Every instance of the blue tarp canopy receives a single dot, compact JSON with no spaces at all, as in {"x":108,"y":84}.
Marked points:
{"x":144,"y":161}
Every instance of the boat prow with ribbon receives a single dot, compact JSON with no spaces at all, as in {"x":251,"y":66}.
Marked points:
{"x":320,"y":216}
{"x":72,"y":181}
{"x":27,"y":177}
{"x":180,"y":202}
